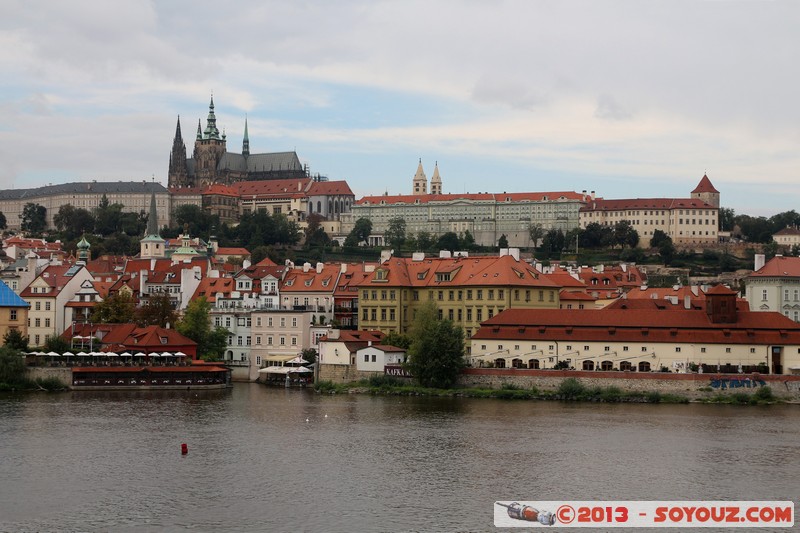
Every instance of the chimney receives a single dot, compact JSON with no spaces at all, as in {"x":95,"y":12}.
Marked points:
{"x":333,"y":334}
{"x":687,"y":302}
{"x":760,"y":260}
{"x":592,"y":195}
{"x":319,"y":268}
{"x":306,"y":267}
{"x":514,"y":252}
{"x":444,"y":254}
{"x":343,"y":268}
{"x":695,"y":290}
{"x":418,"y":256}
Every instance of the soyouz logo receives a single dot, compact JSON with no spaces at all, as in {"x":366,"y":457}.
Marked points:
{"x":620,"y":514}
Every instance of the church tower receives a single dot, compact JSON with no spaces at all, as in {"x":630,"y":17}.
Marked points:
{"x":178,"y":174}
{"x":420,"y":185}
{"x":245,"y":140}
{"x":706,"y":192}
{"x":208,"y":150}
{"x":152,"y":246}
{"x":436,"y":180}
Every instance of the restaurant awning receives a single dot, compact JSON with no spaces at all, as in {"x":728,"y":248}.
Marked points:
{"x":278,"y":358}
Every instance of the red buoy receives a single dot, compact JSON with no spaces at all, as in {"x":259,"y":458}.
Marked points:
{"x":184,"y":449}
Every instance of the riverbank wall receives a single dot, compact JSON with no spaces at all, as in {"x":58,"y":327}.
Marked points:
{"x":62,"y":374}
{"x":343,"y":373}
{"x":692,"y":386}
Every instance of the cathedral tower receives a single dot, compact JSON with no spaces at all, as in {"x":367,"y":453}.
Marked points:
{"x":436,"y":180}
{"x":420,"y":185}
{"x":178,"y":174}
{"x":209,"y":148}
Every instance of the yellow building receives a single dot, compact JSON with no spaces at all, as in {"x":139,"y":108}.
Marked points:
{"x":467,"y":290}
{"x":13,"y":312}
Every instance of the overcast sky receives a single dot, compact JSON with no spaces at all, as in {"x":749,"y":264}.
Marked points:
{"x":629,"y":99}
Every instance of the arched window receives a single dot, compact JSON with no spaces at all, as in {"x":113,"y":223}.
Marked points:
{"x":533,"y":363}
{"x":625,"y":365}
{"x":499,"y":363}
{"x":644,"y":366}
{"x":319,"y":206}
{"x":516,"y":363}
{"x":607,"y":365}
{"x":588,"y":365}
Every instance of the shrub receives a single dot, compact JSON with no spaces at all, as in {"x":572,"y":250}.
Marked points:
{"x":764,"y":394}
{"x":740,"y":397}
{"x":611,"y":394}
{"x":653,"y":397}
{"x":384,"y":381}
{"x":571,"y":389}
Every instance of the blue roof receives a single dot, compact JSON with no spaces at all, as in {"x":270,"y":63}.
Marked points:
{"x":9,"y":298}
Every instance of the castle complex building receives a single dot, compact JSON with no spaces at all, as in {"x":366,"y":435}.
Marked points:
{"x":211,"y":162}
{"x":687,"y":221}
{"x":487,"y":216}
{"x":134,"y":196}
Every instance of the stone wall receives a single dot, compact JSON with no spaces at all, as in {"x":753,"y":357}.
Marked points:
{"x":343,"y":373}
{"x":64,"y":375}
{"x":693,"y":386}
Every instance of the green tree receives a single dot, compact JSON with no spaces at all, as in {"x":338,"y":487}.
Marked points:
{"x":436,"y":354}
{"x":196,"y":325}
{"x":15,"y":340}
{"x":56,"y":344}
{"x":658,"y":238}
{"x":425,"y":241}
{"x":448,"y":241}
{"x":625,"y":235}
{"x":73,"y":222}
{"x":107,"y":217}
{"x":200,"y":222}
{"x":502,"y":242}
{"x":3,"y":221}
{"x":536,"y":233}
{"x":360,"y":232}
{"x":315,"y":235}
{"x":118,"y":308}
{"x":12,"y":366}
{"x":309,"y":354}
{"x":397,"y":339}
{"x":395,"y":234}
{"x":667,"y":251}
{"x":467,"y":241}
{"x":727,"y":218}
{"x":594,"y":235}
{"x":554,"y":241}
{"x":156,"y":311}
{"x":34,"y":218}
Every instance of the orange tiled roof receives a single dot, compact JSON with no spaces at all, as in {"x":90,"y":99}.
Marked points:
{"x":705,"y":186}
{"x":324,"y":188}
{"x":474,"y":197}
{"x":298,"y":281}
{"x":779,"y":266}
{"x":600,"y":204}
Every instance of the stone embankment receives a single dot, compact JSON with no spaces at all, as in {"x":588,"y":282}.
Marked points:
{"x":693,"y":386}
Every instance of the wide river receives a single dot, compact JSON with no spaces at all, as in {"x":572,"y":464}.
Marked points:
{"x":270,"y":459}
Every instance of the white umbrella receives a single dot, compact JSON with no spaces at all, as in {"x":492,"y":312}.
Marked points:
{"x":180,"y":354}
{"x":83,"y":354}
{"x":112,"y":354}
{"x":53,"y":354}
{"x":139,"y":354}
{"x":300,"y":370}
{"x":67,"y":354}
{"x":93,"y":354}
{"x":166,"y":354}
{"x":297,"y":361}
{"x":125,"y":354}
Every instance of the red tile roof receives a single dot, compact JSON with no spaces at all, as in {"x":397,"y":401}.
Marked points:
{"x":788,"y":231}
{"x":474,"y":197}
{"x":298,"y":281}
{"x":628,"y":325}
{"x":232,"y":251}
{"x":55,"y":277}
{"x":704,"y":186}
{"x":325,"y":188}
{"x":221,"y":190}
{"x":645,"y":203}
{"x":211,"y":287}
{"x":502,"y":271}
{"x":281,"y":188}
{"x":779,"y":266}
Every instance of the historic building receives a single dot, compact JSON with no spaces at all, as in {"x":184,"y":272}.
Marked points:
{"x":688,"y":221}
{"x":775,"y":286}
{"x":134,"y":196}
{"x":643,"y":335}
{"x":467,"y":290}
{"x":211,"y":162}
{"x":487,"y":216}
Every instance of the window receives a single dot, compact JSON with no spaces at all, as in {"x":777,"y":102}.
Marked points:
{"x":366,"y":358}
{"x":392,"y":314}
{"x":374,"y":358}
{"x":13,"y":314}
{"x":727,"y":350}
{"x":258,"y":340}
{"x":479,"y":315}
{"x":239,"y":340}
{"x":624,"y":348}
{"x":702,"y":350}
{"x":47,"y":322}
{"x":374,"y":314}
{"x":269,"y":341}
{"x":469,"y":315}
{"x":283,"y":341}
{"x":294,"y":341}
{"x":294,"y":322}
{"x":38,"y":322}
{"x":38,"y":306}
{"x":479,"y":294}
{"x":383,"y":314}
{"x":269,"y":321}
{"x":227,"y":322}
{"x":283,"y":322}
{"x":677,"y":349}
{"x":752,"y":350}
{"x":47,"y":306}
{"x":763,"y":295}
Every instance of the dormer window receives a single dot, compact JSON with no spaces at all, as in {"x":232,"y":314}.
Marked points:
{"x":380,"y":275}
{"x":443,"y":276}
{"x":164,"y":340}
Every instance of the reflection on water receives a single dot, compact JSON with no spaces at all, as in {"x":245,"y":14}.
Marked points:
{"x":263,"y":459}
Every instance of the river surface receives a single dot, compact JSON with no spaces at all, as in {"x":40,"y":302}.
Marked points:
{"x":270,"y":459}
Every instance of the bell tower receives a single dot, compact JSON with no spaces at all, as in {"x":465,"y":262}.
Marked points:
{"x":420,"y":184}
{"x":209,"y":146}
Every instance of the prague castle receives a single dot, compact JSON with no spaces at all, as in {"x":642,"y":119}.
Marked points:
{"x":212,"y":163}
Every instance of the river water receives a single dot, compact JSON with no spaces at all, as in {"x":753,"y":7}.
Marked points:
{"x":270,"y":459}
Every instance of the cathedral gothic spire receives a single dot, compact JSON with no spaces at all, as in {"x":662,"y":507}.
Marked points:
{"x":246,"y":140}
{"x":420,"y":183}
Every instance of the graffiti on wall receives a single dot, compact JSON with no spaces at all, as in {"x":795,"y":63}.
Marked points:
{"x":737,"y":383}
